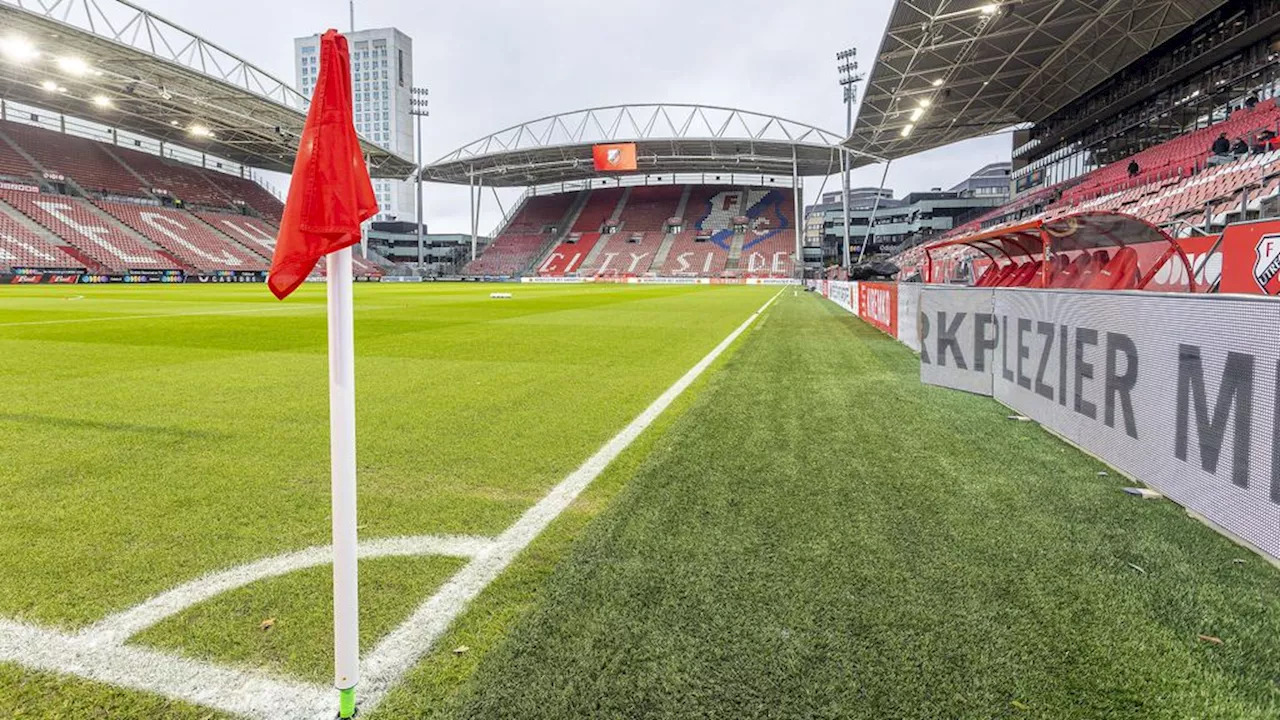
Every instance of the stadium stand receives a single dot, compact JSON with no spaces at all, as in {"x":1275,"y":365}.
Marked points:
{"x":101,"y":169}
{"x":506,"y":256}
{"x":705,"y":247}
{"x":568,"y":257}
{"x":21,"y":248}
{"x":693,"y":255}
{"x":627,"y":254}
{"x":91,"y":231}
{"x":599,"y":209}
{"x":649,"y":208}
{"x":247,"y":231}
{"x":180,"y":180}
{"x":185,"y":237}
{"x":85,"y":161}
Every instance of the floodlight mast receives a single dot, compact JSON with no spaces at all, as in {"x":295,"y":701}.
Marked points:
{"x":849,"y":79}
{"x":418,"y":107}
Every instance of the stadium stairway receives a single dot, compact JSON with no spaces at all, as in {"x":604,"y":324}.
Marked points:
{"x":597,"y":251}
{"x":616,"y":217}
{"x":735,"y":251}
{"x":664,"y":250}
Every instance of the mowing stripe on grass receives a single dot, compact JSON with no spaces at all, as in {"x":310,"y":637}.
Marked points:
{"x":113,"y":318}
{"x":98,"y":653}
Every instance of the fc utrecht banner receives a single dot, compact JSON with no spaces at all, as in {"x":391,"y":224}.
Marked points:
{"x":878,"y":305}
{"x":1181,"y":392}
{"x":617,"y":157}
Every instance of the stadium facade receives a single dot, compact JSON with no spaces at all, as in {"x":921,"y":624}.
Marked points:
{"x":382,"y":75}
{"x":910,"y":220}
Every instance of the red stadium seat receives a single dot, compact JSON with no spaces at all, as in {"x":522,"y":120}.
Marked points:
{"x":1121,"y":273}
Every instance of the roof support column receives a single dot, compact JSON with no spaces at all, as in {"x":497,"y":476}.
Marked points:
{"x":795,"y":192}
{"x":875,"y":207}
{"x":471,"y":194}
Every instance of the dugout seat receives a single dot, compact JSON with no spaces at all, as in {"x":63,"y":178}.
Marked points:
{"x":1121,"y":273}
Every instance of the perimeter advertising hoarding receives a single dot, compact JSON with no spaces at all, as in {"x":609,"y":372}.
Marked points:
{"x":1180,"y":392}
{"x":958,"y":337}
{"x":908,"y":312}
{"x":878,"y":305}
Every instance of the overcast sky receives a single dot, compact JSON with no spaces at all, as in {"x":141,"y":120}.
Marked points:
{"x":491,"y":64}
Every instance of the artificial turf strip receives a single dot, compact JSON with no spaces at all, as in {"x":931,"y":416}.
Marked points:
{"x":821,"y":536}
{"x":285,"y":624}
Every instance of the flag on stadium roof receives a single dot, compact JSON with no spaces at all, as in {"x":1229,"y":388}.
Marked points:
{"x":331,"y":193}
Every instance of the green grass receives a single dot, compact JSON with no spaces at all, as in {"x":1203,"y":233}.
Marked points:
{"x":808,"y":533}
{"x":820,"y":536}
{"x":299,"y":607}
{"x":157,"y":433}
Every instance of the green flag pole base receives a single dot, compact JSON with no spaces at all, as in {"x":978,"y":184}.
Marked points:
{"x":347,"y":703}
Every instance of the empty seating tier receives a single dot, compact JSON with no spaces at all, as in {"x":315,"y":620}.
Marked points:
{"x":86,"y":161}
{"x":626,"y":254}
{"x":183,"y":235}
{"x":508,"y":255}
{"x":21,"y":248}
{"x":101,"y":239}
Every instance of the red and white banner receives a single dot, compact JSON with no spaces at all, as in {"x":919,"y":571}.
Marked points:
{"x":878,"y":305}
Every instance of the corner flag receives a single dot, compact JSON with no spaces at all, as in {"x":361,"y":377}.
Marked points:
{"x":330,"y":193}
{"x":329,"y":196}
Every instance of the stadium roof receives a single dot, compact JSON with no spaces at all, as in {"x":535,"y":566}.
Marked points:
{"x":949,"y":70}
{"x":670,"y":138}
{"x":114,"y":63}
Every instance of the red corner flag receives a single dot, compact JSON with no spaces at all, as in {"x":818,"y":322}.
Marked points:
{"x":330,"y":194}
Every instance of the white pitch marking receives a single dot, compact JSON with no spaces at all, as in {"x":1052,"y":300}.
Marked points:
{"x":115,"y":629}
{"x":244,"y":692}
{"x":98,"y":652}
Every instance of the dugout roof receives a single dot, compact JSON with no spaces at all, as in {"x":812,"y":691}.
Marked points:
{"x":950,"y":70}
{"x":670,"y":138}
{"x":157,"y":79}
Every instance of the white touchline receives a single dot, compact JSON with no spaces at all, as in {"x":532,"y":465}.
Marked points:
{"x":99,"y":652}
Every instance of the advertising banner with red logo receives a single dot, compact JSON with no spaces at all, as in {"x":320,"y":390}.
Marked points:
{"x":878,"y":305}
{"x":1251,"y":258}
{"x":617,"y":157}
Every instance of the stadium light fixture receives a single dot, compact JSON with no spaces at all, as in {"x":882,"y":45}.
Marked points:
{"x":989,"y":8}
{"x":200,"y":131}
{"x":917,"y":114}
{"x":907,"y":130}
{"x":926,"y":102}
{"x":49,"y":85}
{"x":937,"y":82}
{"x":73,"y":66}
{"x":102,"y":101}
{"x":18,"y":49}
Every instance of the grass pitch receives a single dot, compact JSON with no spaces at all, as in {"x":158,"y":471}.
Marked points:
{"x":153,"y":434}
{"x":809,"y":533}
{"x":821,"y":536}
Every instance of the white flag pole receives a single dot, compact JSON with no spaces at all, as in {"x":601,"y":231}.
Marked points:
{"x":342,"y":451}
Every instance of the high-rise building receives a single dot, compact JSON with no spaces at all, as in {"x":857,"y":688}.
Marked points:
{"x":381,"y":75}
